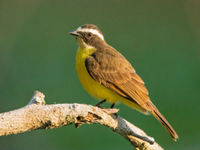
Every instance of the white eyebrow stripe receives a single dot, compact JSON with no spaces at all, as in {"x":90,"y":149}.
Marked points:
{"x":93,"y":31}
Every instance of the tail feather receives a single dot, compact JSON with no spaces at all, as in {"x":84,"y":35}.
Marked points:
{"x":164,"y":122}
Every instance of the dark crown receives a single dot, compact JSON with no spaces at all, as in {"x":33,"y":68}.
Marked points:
{"x":91,"y":26}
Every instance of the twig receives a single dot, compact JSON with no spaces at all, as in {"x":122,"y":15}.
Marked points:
{"x":36,"y":115}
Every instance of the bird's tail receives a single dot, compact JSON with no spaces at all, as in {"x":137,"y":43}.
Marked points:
{"x":163,"y":121}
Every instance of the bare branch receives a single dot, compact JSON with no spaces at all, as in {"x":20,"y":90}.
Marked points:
{"x":36,"y":115}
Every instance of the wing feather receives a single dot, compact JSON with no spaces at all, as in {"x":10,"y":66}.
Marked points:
{"x":113,"y":71}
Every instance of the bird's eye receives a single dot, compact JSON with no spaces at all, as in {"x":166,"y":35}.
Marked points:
{"x":89,"y":34}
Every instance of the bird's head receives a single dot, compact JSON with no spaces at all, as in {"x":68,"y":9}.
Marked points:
{"x":88,"y":36}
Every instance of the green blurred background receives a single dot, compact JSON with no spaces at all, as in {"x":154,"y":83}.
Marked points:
{"x":160,"y":38}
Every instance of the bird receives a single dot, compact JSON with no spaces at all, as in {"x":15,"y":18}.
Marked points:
{"x":108,"y":76}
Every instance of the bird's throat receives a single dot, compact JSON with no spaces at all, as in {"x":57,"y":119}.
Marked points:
{"x":84,"y":45}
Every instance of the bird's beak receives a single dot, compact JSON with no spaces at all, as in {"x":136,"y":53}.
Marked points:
{"x":74,"y":33}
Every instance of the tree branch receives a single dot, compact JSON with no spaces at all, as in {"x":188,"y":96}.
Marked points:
{"x":37,"y":115}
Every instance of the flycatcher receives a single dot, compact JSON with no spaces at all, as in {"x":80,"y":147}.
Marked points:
{"x":108,"y":76}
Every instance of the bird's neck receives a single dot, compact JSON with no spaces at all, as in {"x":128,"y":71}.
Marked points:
{"x":85,"y":52}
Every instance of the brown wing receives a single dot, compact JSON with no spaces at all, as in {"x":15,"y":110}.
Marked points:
{"x":112,"y":70}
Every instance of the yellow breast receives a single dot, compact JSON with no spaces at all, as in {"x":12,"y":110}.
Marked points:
{"x":91,"y":86}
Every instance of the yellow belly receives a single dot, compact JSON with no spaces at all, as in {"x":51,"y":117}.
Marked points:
{"x":94,"y":88}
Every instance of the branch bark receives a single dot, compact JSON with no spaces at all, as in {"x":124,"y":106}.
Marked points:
{"x":37,"y":115}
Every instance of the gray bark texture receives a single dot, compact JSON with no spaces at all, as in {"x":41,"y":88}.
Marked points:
{"x":37,"y":115}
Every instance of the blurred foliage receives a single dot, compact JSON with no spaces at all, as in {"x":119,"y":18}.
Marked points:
{"x":160,"y":38}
